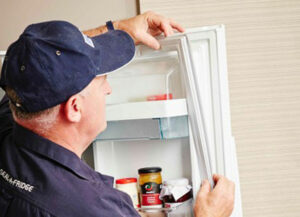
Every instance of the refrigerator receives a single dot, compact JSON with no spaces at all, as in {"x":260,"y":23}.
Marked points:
{"x":169,"y":108}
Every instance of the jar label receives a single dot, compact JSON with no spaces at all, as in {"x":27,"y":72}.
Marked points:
{"x":150,"y":194}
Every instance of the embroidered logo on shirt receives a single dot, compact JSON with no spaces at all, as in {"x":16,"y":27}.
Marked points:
{"x":15,"y":182}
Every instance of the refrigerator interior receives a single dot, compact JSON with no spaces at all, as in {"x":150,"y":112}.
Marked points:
{"x":143,"y":133}
{"x":140,"y":133}
{"x":156,"y":73}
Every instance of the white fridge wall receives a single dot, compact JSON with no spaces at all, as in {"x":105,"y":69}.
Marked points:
{"x":146,"y":76}
{"x":123,"y":158}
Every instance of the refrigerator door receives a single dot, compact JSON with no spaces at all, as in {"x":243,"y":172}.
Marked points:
{"x":209,"y":70}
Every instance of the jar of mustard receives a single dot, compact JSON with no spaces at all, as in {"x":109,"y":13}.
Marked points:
{"x":150,"y":182}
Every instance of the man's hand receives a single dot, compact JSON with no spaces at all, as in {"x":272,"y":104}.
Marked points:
{"x":144,"y":27}
{"x":218,"y":202}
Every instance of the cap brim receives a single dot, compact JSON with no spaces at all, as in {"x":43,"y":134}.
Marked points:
{"x":116,"y":49}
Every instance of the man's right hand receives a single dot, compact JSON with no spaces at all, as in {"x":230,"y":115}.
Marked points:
{"x":218,"y":202}
{"x":144,"y":27}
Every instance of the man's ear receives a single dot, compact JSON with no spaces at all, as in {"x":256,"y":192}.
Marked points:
{"x":72,"y":108}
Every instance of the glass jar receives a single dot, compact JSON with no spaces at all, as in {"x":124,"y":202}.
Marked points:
{"x":175,"y":192}
{"x":150,"y":181}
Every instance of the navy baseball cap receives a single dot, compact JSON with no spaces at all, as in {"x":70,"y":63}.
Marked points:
{"x":51,"y":61}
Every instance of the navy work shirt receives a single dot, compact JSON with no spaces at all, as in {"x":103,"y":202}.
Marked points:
{"x":39,"y":178}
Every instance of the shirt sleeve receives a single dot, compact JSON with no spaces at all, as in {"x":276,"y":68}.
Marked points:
{"x":6,"y":119}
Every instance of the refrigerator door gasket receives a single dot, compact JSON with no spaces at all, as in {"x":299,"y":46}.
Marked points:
{"x":198,"y":130}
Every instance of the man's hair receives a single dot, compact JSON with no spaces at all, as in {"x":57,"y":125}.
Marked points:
{"x":43,"y":119}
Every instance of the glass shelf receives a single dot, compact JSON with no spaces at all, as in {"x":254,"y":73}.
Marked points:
{"x":146,"y":129}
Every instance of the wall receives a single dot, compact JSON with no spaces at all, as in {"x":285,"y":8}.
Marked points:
{"x":263,"y":44}
{"x":17,"y":14}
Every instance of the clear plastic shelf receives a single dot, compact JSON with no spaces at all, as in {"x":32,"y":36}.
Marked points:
{"x":157,"y":128}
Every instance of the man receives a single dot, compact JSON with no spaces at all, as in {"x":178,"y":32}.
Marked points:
{"x":55,"y":82}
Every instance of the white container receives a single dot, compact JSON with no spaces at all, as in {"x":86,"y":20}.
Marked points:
{"x":129,"y":186}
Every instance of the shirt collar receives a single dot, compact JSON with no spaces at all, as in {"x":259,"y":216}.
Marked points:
{"x":29,"y":140}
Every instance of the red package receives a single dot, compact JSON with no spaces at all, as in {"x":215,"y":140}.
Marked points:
{"x":160,"y":97}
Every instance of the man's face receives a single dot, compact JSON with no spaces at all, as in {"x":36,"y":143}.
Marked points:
{"x":94,"y":120}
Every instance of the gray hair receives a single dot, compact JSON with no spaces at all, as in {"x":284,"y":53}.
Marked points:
{"x":44,"y":120}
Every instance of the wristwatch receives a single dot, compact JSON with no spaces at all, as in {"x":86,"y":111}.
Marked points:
{"x":110,"y":26}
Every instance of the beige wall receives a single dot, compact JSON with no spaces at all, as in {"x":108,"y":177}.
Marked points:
{"x":263,"y":44}
{"x":15,"y":15}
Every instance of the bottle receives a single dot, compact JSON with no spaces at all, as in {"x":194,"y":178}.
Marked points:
{"x":129,"y":186}
{"x":150,"y":181}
